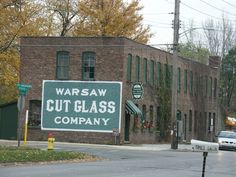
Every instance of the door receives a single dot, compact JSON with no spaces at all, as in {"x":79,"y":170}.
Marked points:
{"x":185,"y":126}
{"x":127,"y":125}
{"x":179,"y":126}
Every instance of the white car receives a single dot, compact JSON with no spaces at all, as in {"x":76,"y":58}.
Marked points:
{"x":227,"y":140}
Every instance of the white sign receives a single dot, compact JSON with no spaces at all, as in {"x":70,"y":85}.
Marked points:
{"x":203,"y":146}
{"x":137,"y":91}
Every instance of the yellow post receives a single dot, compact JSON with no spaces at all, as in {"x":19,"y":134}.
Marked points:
{"x":26,"y":127}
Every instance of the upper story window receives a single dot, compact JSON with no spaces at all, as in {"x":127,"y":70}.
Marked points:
{"x":62,"y":68}
{"x":206,"y":85}
{"x":168,"y":75}
{"x":151,"y":72}
{"x":137,"y":68}
{"x":145,"y":78}
{"x":185,"y":80}
{"x":129,"y":67}
{"x":88,"y":66}
{"x":159,"y":74}
{"x":210,"y":87}
{"x":179,"y":80}
{"x":191,"y":83}
{"x":215,"y":87}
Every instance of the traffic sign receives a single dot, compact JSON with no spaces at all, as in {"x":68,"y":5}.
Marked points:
{"x":137,"y":90}
{"x":203,"y":146}
{"x":23,"y":88}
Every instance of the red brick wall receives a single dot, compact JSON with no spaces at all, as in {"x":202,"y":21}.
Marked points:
{"x":38,"y":62}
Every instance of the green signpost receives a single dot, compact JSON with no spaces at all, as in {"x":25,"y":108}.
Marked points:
{"x":23,"y":89}
{"x":91,"y":106}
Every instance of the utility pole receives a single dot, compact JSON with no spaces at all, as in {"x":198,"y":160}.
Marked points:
{"x":174,"y":127}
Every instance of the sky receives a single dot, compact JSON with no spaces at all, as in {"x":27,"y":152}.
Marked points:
{"x":158,"y":14}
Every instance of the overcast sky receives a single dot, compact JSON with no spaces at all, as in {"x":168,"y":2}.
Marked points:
{"x":157,"y":14}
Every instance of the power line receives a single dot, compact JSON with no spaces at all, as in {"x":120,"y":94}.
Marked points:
{"x":200,"y":11}
{"x":229,"y":3}
{"x":217,"y":8}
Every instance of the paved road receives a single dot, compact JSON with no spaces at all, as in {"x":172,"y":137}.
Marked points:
{"x":128,"y":161}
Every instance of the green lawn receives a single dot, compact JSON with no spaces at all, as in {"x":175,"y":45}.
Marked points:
{"x":26,"y":154}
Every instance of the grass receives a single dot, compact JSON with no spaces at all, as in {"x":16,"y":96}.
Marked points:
{"x":26,"y":154}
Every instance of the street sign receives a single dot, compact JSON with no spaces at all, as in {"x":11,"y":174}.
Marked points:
{"x":137,"y":90}
{"x":23,"y":88}
{"x":203,"y":146}
{"x":91,"y":106}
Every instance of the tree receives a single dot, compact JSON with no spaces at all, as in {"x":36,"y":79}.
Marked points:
{"x":111,"y":18}
{"x":18,"y":18}
{"x":9,"y":69}
{"x":220,"y":36}
{"x":228,"y":77}
{"x":61,"y":18}
{"x":63,"y":15}
{"x":193,"y":52}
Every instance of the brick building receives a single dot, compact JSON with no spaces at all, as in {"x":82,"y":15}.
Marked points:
{"x":124,"y":60}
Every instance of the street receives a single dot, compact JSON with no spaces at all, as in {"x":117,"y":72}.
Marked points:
{"x":128,"y":161}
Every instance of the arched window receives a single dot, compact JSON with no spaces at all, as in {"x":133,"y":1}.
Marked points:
{"x":129,"y":67}
{"x":88,"y":66}
{"x":62,"y":68}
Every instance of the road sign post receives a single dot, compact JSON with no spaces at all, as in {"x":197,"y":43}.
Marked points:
{"x":205,"y":147}
{"x":23,"y":89}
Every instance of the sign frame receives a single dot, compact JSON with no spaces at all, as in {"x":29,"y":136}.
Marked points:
{"x":119,"y":107}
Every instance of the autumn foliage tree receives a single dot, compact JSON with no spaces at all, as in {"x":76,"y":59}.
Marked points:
{"x":18,"y":18}
{"x":112,"y":18}
{"x":61,"y":18}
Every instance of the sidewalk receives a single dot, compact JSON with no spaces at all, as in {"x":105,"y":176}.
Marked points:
{"x":147,"y":147}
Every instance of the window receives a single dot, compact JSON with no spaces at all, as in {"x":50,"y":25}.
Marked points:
{"x":205,"y":122}
{"x":129,"y":67}
{"x":62,"y":70}
{"x":34,"y":113}
{"x":137,"y":68}
{"x":215,"y":87}
{"x":151,"y":113}
{"x":88,"y":66}
{"x":196,"y":84}
{"x":206,"y":85}
{"x":168,"y":75}
{"x":195,"y":122}
{"x":145,"y":70}
{"x":158,"y":119}
{"x":191,"y":83}
{"x":214,"y":123}
{"x":159,"y":73}
{"x":144,"y":111}
{"x":179,"y":80}
{"x":210,"y":87}
{"x":190,"y":121}
{"x":185,"y":80}
{"x":209,"y":122}
{"x":201,"y":84}
{"x":151,"y":117}
{"x":151,"y":72}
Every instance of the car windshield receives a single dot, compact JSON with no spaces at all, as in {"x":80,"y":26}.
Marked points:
{"x":227,"y":135}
